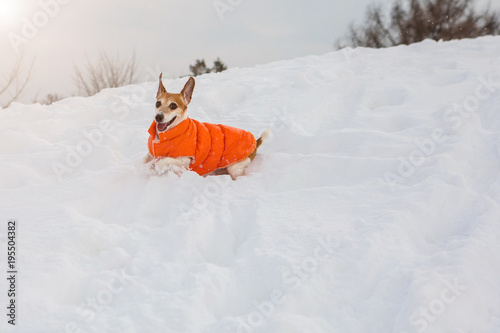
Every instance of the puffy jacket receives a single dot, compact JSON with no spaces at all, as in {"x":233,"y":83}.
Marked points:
{"x":212,"y":146}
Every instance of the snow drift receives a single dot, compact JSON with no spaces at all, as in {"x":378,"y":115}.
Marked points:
{"x":373,"y":206}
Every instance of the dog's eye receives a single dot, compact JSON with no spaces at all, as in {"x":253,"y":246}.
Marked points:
{"x":158,"y":104}
{"x":172,"y":106}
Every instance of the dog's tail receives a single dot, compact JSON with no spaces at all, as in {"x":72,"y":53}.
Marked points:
{"x":263,"y":138}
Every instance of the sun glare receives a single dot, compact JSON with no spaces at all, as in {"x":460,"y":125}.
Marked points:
{"x":8,"y":10}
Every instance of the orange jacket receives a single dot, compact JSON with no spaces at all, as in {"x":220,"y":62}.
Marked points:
{"x":212,"y":146}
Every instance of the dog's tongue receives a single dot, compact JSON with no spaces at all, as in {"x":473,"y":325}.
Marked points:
{"x":162,"y":126}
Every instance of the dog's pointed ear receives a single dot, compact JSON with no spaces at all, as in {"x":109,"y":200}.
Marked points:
{"x":161,"y":88}
{"x":187,"y":91}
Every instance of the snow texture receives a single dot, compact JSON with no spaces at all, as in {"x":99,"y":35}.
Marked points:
{"x":372,"y":207}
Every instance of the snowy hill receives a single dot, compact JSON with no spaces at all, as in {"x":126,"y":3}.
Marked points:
{"x":373,"y":207}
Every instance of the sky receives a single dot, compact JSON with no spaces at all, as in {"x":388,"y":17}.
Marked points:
{"x":165,"y":35}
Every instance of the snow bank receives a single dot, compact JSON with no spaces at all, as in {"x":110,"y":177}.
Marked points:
{"x":373,"y":206}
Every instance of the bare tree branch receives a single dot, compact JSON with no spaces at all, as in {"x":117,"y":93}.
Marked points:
{"x":106,"y":72}
{"x":412,"y":21}
{"x":15,"y":83}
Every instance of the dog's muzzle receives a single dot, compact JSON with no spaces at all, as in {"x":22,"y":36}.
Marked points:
{"x":162,"y":127}
{"x":159,"y":117}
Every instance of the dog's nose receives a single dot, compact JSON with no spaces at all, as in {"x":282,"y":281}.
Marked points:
{"x":159,"y":117}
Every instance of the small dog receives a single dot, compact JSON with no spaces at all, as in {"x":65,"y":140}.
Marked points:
{"x":177,"y":140}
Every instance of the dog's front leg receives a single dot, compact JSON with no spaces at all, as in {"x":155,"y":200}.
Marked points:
{"x":166,"y":163}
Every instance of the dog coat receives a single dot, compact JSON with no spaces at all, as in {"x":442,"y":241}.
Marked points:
{"x":212,"y":146}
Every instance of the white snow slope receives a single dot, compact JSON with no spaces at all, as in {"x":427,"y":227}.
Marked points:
{"x":373,"y":207}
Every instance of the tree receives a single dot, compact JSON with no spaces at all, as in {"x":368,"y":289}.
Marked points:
{"x":49,"y":99}
{"x":106,"y":72}
{"x":412,"y":21}
{"x":15,"y":83}
{"x":219,"y":66}
{"x":200,"y":67}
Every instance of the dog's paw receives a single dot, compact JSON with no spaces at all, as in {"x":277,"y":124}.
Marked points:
{"x":169,"y":168}
{"x":175,"y":169}
{"x":171,"y":164}
{"x":146,"y":159}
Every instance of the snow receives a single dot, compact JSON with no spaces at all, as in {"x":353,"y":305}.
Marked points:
{"x":372,"y":207}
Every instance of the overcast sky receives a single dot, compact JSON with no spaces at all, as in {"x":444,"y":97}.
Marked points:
{"x":166,"y":35}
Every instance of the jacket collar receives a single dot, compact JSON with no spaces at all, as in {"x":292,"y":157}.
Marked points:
{"x":170,"y":134}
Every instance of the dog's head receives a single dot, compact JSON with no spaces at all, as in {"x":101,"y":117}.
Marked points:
{"x":171,"y":109}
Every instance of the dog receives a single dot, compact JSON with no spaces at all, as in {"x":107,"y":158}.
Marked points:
{"x":177,"y":140}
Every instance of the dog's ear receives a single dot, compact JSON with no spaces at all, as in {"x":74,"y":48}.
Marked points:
{"x":161,"y":88}
{"x":187,"y":91}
